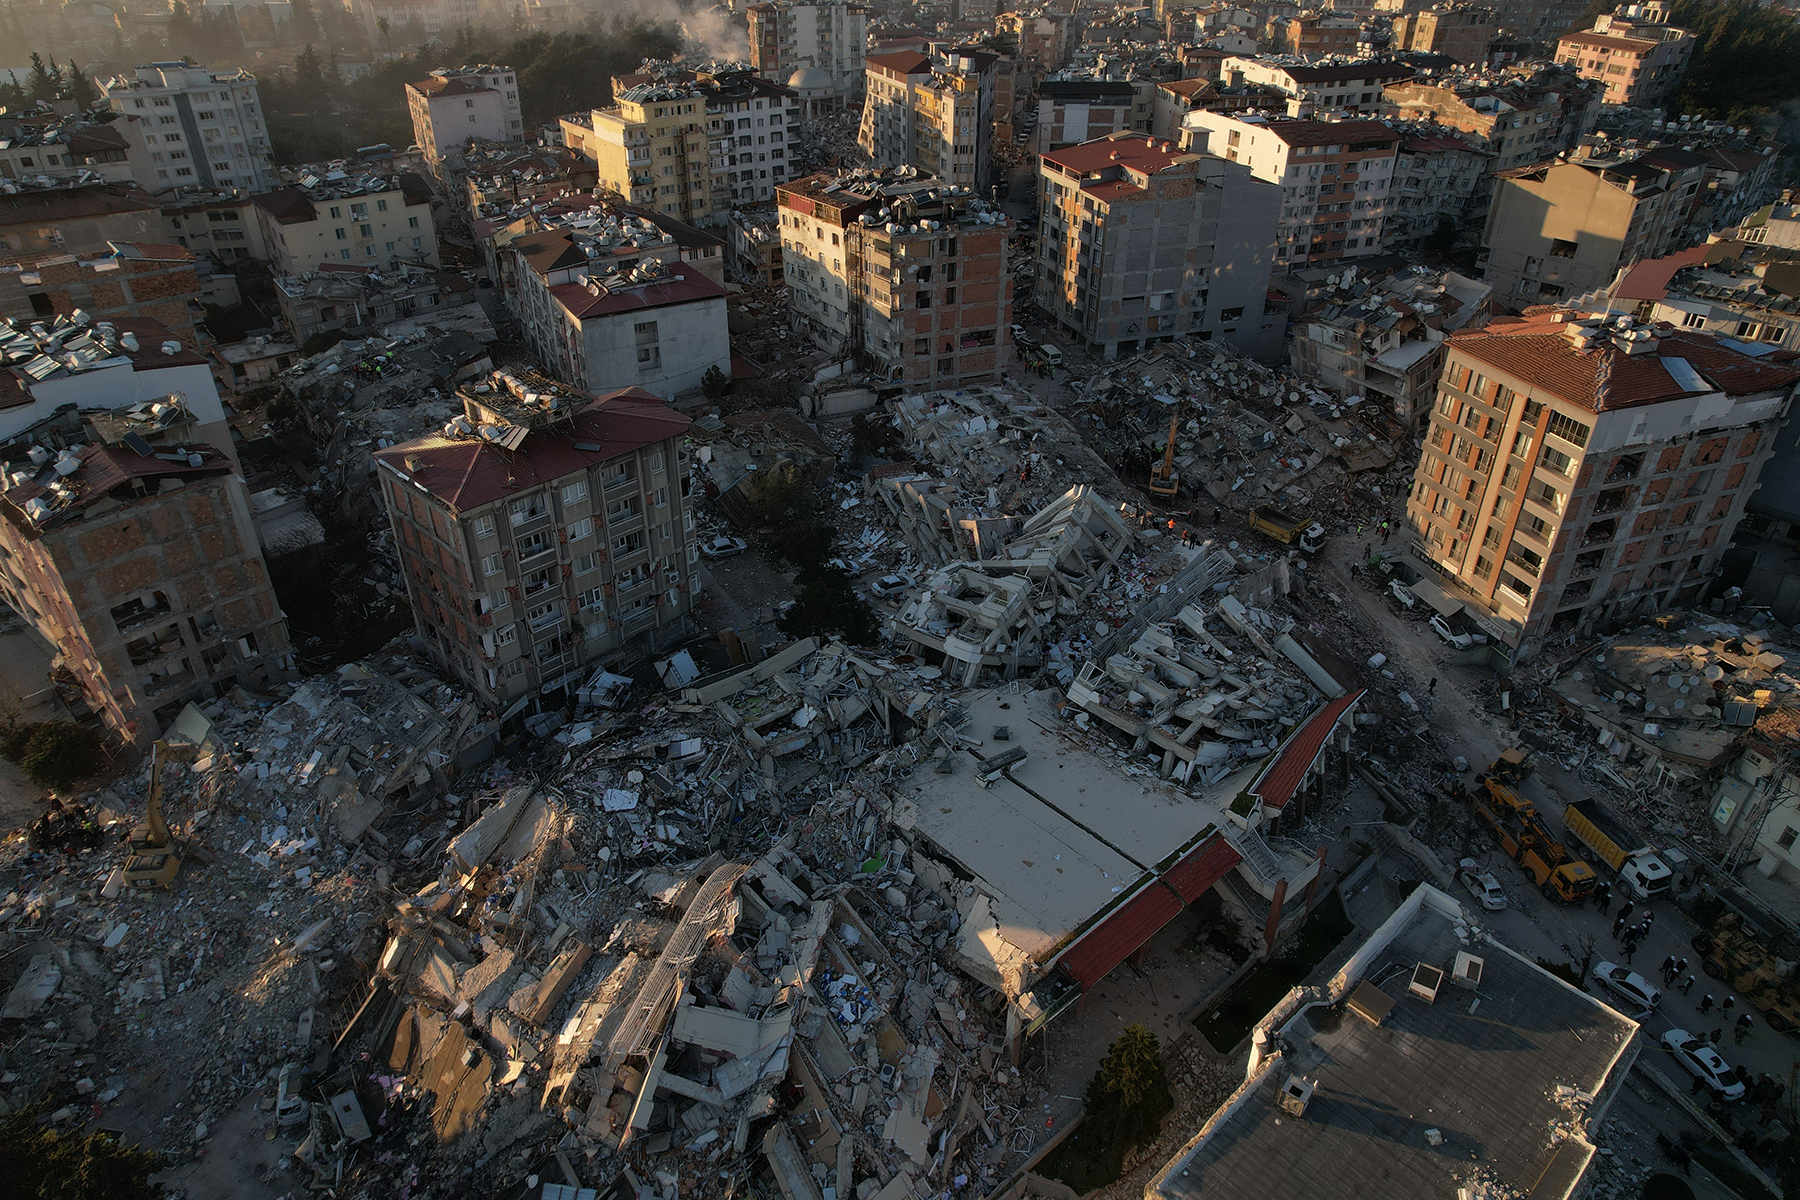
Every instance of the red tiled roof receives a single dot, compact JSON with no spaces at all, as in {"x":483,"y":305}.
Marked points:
{"x":466,"y":473}
{"x":1276,"y":785}
{"x":155,"y":251}
{"x":1537,"y":349}
{"x":1139,"y":919}
{"x":1649,"y":279}
{"x":901,"y":62}
{"x":1142,"y":154}
{"x":681,"y":289}
{"x":104,"y":468}
{"x":437,"y":86}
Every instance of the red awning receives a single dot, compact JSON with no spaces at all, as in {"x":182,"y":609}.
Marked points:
{"x":1139,"y":919}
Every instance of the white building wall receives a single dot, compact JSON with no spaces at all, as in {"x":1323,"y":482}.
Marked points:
{"x":689,"y":339}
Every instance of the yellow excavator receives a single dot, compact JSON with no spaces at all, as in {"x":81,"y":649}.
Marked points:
{"x":156,"y":856}
{"x":1163,"y":480}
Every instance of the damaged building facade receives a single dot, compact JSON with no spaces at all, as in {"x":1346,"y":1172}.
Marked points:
{"x":1578,"y":469}
{"x":543,"y":531}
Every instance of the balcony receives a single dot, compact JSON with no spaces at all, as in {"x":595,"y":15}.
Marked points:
{"x":136,"y":611}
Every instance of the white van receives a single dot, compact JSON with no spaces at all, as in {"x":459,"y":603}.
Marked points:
{"x":1052,"y":354}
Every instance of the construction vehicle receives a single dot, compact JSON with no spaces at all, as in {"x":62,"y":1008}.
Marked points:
{"x":156,"y":856}
{"x":1512,"y":766}
{"x":1523,"y":835}
{"x":1303,"y":532}
{"x":1641,"y":869}
{"x":1740,"y":956}
{"x":1163,"y":480}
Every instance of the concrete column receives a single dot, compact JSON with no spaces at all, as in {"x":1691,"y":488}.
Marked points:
{"x":1274,"y":921}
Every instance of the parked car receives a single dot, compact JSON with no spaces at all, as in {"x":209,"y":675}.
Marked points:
{"x":1628,"y":986}
{"x":1399,"y":591}
{"x":484,"y":281}
{"x":1704,"y":1063}
{"x":1451,"y":634}
{"x":1482,"y":885}
{"x":724,"y":547}
{"x":887,"y":585}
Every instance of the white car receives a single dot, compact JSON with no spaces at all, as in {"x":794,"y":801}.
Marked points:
{"x":1402,"y":593}
{"x":1456,"y":637}
{"x":1704,"y":1063}
{"x":887,"y":585}
{"x":1483,"y":886}
{"x":724,"y":547}
{"x":1628,"y":985}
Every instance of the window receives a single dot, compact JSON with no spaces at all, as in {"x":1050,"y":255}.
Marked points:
{"x":412,"y":223}
{"x":592,"y":599}
{"x":585,"y":564}
{"x":1788,"y":835}
{"x":529,"y":509}
{"x":490,"y":564}
{"x":575,"y":492}
{"x":662,"y":497}
{"x":484,"y":527}
{"x":506,"y":635}
{"x":580,"y":529}
{"x":1562,"y":248}
{"x":1555,"y":460}
{"x":495,"y":601}
{"x":381,"y":206}
{"x":336,"y":213}
{"x":1568,"y":429}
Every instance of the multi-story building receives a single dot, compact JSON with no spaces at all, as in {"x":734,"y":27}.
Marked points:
{"x":1336,"y":178}
{"x":663,"y":327}
{"x":1318,"y":89}
{"x":1519,"y":122}
{"x":221,"y":225}
{"x":920,"y":295}
{"x":1177,"y":98}
{"x":1563,"y":229}
{"x":1734,"y":289}
{"x":428,"y":17}
{"x":690,"y":147}
{"x":1072,"y":111}
{"x":1579,"y":469}
{"x":143,"y":570}
{"x":1773,"y":224}
{"x":1458,"y":31}
{"x":937,"y":117}
{"x":1042,"y":40}
{"x":1438,"y":177}
{"x":360,"y":300}
{"x":1638,"y":57}
{"x":786,"y":37}
{"x":77,"y":218}
{"x":1314,"y":34}
{"x":75,"y":147}
{"x":327,"y":216}
{"x":755,"y":246}
{"x":1141,"y":242}
{"x":199,"y":128}
{"x":542,"y":533}
{"x":454,"y":104}
{"x":1383,"y":339}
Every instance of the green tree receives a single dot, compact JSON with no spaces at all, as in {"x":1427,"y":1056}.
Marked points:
{"x":44,"y":83}
{"x":309,"y":68}
{"x":1131,"y":1082}
{"x":81,"y":89}
{"x":715,"y":383}
{"x":385,"y":29}
{"x":39,"y":1162}
{"x":827,"y":605}
{"x":56,"y":754}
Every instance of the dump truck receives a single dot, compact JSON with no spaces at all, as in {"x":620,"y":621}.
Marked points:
{"x":1302,"y":532}
{"x":1639,"y":869}
{"x":1739,"y":956}
{"x":1528,"y":842}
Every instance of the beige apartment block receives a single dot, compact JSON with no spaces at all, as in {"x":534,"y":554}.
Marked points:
{"x":543,"y":532}
{"x":934,"y":115}
{"x":1579,"y":470}
{"x":1633,"y":51}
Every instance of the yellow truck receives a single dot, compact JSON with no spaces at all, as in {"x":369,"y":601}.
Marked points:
{"x":1619,"y":847}
{"x":1303,"y":533}
{"x":1523,"y":836}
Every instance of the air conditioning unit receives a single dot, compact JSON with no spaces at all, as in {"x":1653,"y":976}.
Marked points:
{"x":1467,"y":971}
{"x":1426,"y":980}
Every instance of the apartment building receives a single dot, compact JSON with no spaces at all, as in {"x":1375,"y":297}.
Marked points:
{"x":1519,"y":122}
{"x":432,"y":18}
{"x":542,"y":533}
{"x":1317,"y":89}
{"x":221,"y":225}
{"x":1580,"y":469}
{"x":1042,"y":38}
{"x":1632,"y":52}
{"x":328,"y":216}
{"x":1383,"y":338}
{"x":77,"y":218}
{"x":786,"y":38}
{"x":74,"y":147}
{"x":906,"y":274}
{"x":1314,"y":34}
{"x":199,"y":128}
{"x":1738,"y":290}
{"x":1439,"y":176}
{"x":935,"y":116}
{"x":1458,"y":31}
{"x":133,"y":279}
{"x":1563,"y":229}
{"x":1336,"y":178}
{"x":1141,"y":242}
{"x":454,"y":104}
{"x":1176,"y":98}
{"x":690,"y":147}
{"x":144,"y":571}
{"x":1072,"y":111}
{"x":360,"y":300}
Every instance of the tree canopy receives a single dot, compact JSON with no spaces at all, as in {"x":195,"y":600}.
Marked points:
{"x":1744,"y":61}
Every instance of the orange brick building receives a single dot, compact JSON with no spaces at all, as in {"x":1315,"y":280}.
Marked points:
{"x":147,"y":575}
